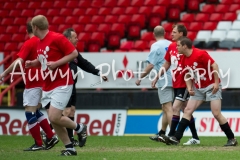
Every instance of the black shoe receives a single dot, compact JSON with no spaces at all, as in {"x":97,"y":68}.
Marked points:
{"x":166,"y":139}
{"x":154,"y":138}
{"x":82,"y":136}
{"x":174,"y":141}
{"x":231,"y":142}
{"x":34,"y":147}
{"x":51,"y":142}
{"x":75,"y":143}
{"x":68,"y":153}
{"x":161,"y":139}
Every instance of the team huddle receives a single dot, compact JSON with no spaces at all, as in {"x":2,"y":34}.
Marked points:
{"x":49,"y":53}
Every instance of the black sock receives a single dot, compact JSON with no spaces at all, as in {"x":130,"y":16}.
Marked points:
{"x":77,"y":128}
{"x":70,"y":145}
{"x":161,"y":132}
{"x":70,"y":131}
{"x":193,"y":128}
{"x":174,"y":123}
{"x":181,"y":128}
{"x":227,"y":130}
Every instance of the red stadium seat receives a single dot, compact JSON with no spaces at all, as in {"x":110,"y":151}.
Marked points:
{"x":150,"y":3}
{"x":236,"y":1}
{"x":104,"y":11}
{"x":208,"y":8}
{"x":210,"y":26}
{"x":19,"y":21}
{"x":145,"y":11}
{"x":154,"y":21}
{"x":71,"y":4}
{"x":18,"y":37}
{"x":40,"y":11}
{"x":27,"y":13}
{"x":97,"y":4}
{"x":111,"y":19}
{"x":138,"y":19}
{"x":124,"y":19}
{"x":19,"y":45}
{"x":195,"y":26}
{"x":189,"y":17}
{"x":127,"y":45}
{"x":84,"y":19}
{"x":97,"y":19}
{"x":131,"y":10}
{"x":221,"y":8}
{"x":118,"y":28}
{"x":65,"y":11}
{"x":202,"y":17}
{"x":34,"y":5}
{"x":229,"y":16}
{"x":193,"y":5}
{"x":58,"y":20}
{"x":80,"y":46}
{"x":168,"y":26}
{"x":63,"y":27}
{"x":147,"y":36}
{"x":78,"y":27}
{"x":53,"y":28}
{"x":13,"y":29}
{"x":21,"y":29}
{"x":90,"y":28}
{"x":177,"y":3}
{"x":78,"y":11}
{"x":84,"y":4}
{"x":52,"y":12}
{"x":186,"y":24}
{"x":134,"y":32}
{"x":123,"y":3}
{"x":59,"y":4}
{"x":5,"y":37}
{"x":212,"y":1}
{"x":84,"y":37}
{"x":91,"y":11}
{"x":137,"y":3}
{"x":9,"y":5}
{"x":174,"y":14}
{"x":71,"y":20}
{"x":97,"y":37}
{"x":216,"y":17}
{"x":11,"y":46}
{"x":21,"y":5}
{"x":110,"y":3}
{"x":234,"y":7}
{"x":94,"y":47}
{"x":140,"y":45}
{"x":104,"y":28}
{"x":46,"y":4}
{"x":163,"y":2}
{"x":14,"y":13}
{"x":4,"y":13}
{"x":118,"y":11}
{"x":7,"y":21}
{"x":159,"y":11}
{"x":227,"y":1}
{"x":192,"y":35}
{"x":114,"y":41}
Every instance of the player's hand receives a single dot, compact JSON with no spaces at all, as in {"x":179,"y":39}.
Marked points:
{"x":138,"y":82}
{"x":191,"y":92}
{"x":51,"y":65}
{"x":105,"y":78}
{"x":154,"y":82}
{"x":1,"y":77}
{"x":28,"y":64}
{"x":215,"y":88}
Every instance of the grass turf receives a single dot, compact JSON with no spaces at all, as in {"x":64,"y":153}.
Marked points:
{"x":122,"y":148}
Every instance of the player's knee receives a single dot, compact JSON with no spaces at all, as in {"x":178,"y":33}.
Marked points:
{"x":31,"y":117}
{"x":217,"y":114}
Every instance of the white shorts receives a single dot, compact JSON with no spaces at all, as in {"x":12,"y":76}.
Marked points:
{"x":32,"y":96}
{"x":166,"y":95}
{"x":58,"y":97}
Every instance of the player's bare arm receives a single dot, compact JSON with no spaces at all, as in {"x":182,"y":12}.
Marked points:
{"x":216,"y":77}
{"x":146,"y":71}
{"x":10,"y":68}
{"x":34,"y":63}
{"x":166,"y":66}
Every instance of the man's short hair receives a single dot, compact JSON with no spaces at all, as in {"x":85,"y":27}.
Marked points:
{"x":67,"y":32}
{"x":40,"y":21}
{"x":185,"y":41}
{"x":159,"y":31}
{"x":29,"y":27}
{"x":181,"y":28}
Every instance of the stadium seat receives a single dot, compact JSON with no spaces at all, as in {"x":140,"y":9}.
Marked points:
{"x":62,"y":27}
{"x":226,"y":44}
{"x":150,"y":3}
{"x":212,"y":1}
{"x":154,"y":21}
{"x":123,"y":3}
{"x":124,"y":19}
{"x":202,"y":17}
{"x":221,"y":8}
{"x":94,"y":47}
{"x":233,"y":35}
{"x":137,"y":3}
{"x":193,"y":5}
{"x":40,"y":11}
{"x":147,"y":36}
{"x":4,"y":13}
{"x":72,"y":4}
{"x":168,"y":36}
{"x":84,"y":4}
{"x":229,"y":16}
{"x":18,"y":37}
{"x":138,"y":19}
{"x":52,"y":12}
{"x":84,"y":19}
{"x":216,"y":17}
{"x":59,"y":4}
{"x":131,"y":10}
{"x":110,"y":3}
{"x":140,"y":45}
{"x":174,"y":14}
{"x":90,"y":28}
{"x":191,"y":35}
{"x":7,"y":21}
{"x":111,"y":19}
{"x":163,"y":2}
{"x":195,"y":26}
{"x":118,"y":11}
{"x":9,"y":5}
{"x":20,"y":21}
{"x":114,"y":41}
{"x":78,"y":12}
{"x":14,"y":13}
{"x":19,"y":45}
{"x":97,"y":4}
{"x":103,"y":11}
{"x":210,"y":26}
{"x":216,"y":37}
{"x":97,"y":37}
{"x":53,"y":28}
{"x":46,"y":4}
{"x":236,"y":1}
{"x":27,"y":13}
{"x":224,"y":25}
{"x":13,"y":29}
{"x":91,"y":11}
{"x":238,"y":17}
{"x":202,"y":38}
{"x":71,"y":20}
{"x":58,"y":20}
{"x":208,"y":8}
{"x":189,"y":17}
{"x":159,"y":11}
{"x":134,"y":32}
{"x":10,"y":46}
{"x":177,"y":3}
{"x":5,"y":37}
{"x":97,"y":19}
{"x":104,"y":28}
{"x":168,"y":26}
{"x":235,"y":25}
{"x":78,"y":28}
{"x":118,"y":28}
{"x":226,"y":2}
{"x":21,"y":5}
{"x":127,"y":45}
{"x":65,"y":11}
{"x":80,"y":46}
{"x":21,"y":28}
{"x":145,"y":11}
{"x":234,"y":7}
{"x":237,"y":44}
{"x":82,"y":36}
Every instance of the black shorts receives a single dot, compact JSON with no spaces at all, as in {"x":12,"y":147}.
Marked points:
{"x":73,"y":98}
{"x":181,"y":94}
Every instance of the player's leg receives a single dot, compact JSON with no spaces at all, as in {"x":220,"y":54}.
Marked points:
{"x":67,"y":112}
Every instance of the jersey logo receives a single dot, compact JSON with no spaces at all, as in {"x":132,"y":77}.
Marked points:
{"x":166,"y":48}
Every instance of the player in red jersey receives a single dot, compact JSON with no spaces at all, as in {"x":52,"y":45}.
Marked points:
{"x":173,"y":60}
{"x":32,"y":92}
{"x":54,"y":52}
{"x":203,"y":84}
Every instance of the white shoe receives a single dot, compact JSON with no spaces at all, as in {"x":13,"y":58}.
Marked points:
{"x":191,"y":141}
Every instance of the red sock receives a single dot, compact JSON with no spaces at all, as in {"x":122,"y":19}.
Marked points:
{"x":35,"y":132}
{"x":46,"y":128}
